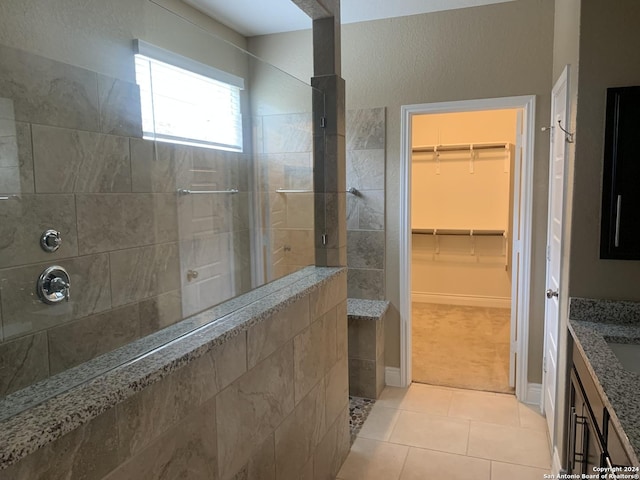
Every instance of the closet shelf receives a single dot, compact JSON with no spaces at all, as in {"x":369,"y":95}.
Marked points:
{"x":471,"y":232}
{"x":461,"y":147}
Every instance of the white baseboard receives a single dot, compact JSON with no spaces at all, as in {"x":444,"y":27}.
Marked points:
{"x":464,"y":300}
{"x":533,"y":395}
{"x":392,"y":377}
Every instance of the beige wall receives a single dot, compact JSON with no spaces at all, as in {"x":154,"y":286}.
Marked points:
{"x":483,"y":52}
{"x":609,"y":57}
{"x":447,"y":195}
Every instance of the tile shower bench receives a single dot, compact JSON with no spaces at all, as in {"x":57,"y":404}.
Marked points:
{"x":366,"y":347}
{"x":261,"y":392}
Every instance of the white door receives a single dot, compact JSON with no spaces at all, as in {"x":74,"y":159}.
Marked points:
{"x":557,"y":162}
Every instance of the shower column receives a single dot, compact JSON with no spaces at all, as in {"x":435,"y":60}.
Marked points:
{"x":329,"y":156}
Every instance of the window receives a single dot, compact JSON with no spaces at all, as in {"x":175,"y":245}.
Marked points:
{"x":184,"y":101}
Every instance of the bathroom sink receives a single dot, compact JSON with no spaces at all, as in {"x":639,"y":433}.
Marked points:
{"x":628,"y":354}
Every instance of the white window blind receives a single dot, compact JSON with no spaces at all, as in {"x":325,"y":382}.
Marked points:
{"x":186,"y":102}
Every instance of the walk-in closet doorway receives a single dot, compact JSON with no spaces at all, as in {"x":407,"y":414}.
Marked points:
{"x":465,"y":246}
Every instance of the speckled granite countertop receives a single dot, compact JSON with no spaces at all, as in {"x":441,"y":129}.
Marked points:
{"x":592,"y":323}
{"x":113,"y":378}
{"x":366,"y":309}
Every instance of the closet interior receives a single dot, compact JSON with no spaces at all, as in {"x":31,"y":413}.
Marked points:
{"x":461,"y":211}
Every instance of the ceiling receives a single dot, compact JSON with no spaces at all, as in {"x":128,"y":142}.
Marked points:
{"x":263,"y":17}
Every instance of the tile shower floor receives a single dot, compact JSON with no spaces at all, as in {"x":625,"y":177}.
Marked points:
{"x":462,"y":347}
{"x":426,"y":432}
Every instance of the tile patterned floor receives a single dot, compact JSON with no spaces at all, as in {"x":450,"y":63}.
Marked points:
{"x":463,"y":347}
{"x":426,"y":432}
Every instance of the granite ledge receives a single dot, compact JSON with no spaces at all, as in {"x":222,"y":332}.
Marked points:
{"x":27,"y":431}
{"x":618,"y":387}
{"x":358,"y":309}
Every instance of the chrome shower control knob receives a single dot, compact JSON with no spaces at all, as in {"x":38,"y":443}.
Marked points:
{"x":50,"y":240}
{"x":54,"y":285}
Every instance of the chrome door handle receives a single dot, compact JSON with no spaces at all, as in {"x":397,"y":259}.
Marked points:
{"x":552,"y":293}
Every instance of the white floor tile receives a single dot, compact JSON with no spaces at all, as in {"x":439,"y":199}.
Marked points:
{"x":408,"y":436}
{"x":431,"y":432}
{"x":521,"y":446}
{"x":417,"y":398}
{"x":373,"y":460}
{"x":425,"y":464}
{"x":379,"y":423}
{"x":500,"y":409}
{"x":502,"y":471}
{"x":530,"y":417}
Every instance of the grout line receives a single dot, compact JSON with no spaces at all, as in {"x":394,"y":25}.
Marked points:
{"x":404,"y":463}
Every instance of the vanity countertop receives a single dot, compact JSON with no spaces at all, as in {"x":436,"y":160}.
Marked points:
{"x":592,"y":324}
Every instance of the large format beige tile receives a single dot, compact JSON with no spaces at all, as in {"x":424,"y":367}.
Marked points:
{"x":140,"y":273}
{"x":187,"y":450}
{"x":509,"y":444}
{"x":299,"y":434}
{"x":23,"y":362}
{"x":373,"y":460}
{"x":48,"y":92}
{"x":501,"y":409}
{"x":264,"y":338}
{"x":79,"y":161}
{"x":417,"y":398}
{"x":252,"y":407}
{"x":79,"y":341}
{"x":431,"y":431}
{"x":422,"y":464}
{"x":23,"y":311}
{"x":500,"y":471}
{"x":530,"y":417}
{"x":25,"y":218}
{"x":90,"y":452}
{"x":333,"y":450}
{"x":142,"y":219}
{"x":379,"y":423}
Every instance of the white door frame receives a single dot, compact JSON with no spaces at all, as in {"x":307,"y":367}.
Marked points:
{"x":521,"y":241}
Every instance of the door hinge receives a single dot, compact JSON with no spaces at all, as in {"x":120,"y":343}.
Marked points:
{"x":323,"y":122}
{"x":544,"y":364}
{"x":548,"y":253}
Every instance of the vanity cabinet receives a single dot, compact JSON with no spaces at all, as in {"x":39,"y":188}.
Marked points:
{"x":585,"y":445}
{"x":620,"y":222}
{"x":593,"y":441}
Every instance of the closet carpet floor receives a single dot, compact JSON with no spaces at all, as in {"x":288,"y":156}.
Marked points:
{"x":462,"y":347}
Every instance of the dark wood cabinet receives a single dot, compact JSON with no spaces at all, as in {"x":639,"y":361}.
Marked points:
{"x":585,"y":446}
{"x":620,"y":221}
{"x":593,"y":441}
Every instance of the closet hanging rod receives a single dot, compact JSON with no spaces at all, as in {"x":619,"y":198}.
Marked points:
{"x":462,"y":147}
{"x":460,"y":232}
{"x":185,"y":191}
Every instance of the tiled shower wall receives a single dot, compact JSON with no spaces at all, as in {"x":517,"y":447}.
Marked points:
{"x":74,"y":161}
{"x":285,"y":161}
{"x":366,"y":136}
{"x":270,"y":403}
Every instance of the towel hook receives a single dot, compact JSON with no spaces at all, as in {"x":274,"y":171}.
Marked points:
{"x":568,"y":135}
